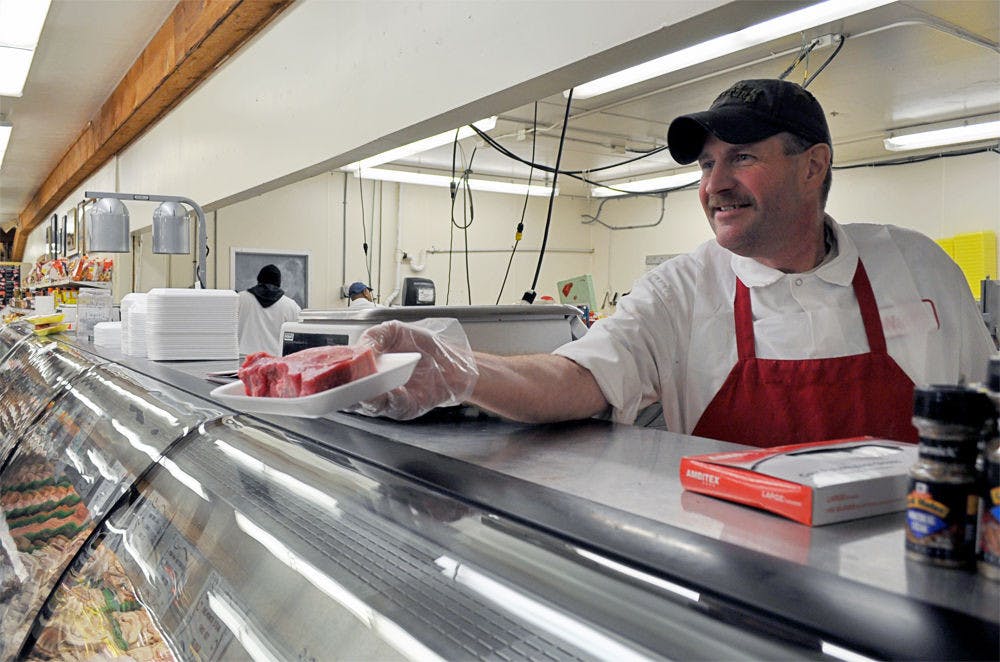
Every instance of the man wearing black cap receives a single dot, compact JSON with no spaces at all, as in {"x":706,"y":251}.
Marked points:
{"x":263,"y":309}
{"x":788,"y":327}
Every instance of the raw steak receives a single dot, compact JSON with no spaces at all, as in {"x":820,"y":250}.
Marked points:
{"x":306,"y":372}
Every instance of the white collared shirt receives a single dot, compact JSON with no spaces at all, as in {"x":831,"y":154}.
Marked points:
{"x":672,"y":338}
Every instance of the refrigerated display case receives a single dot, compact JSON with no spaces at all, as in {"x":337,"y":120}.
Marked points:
{"x":208,"y":535}
{"x":68,"y":468}
{"x":33,"y":374}
{"x":247,"y":545}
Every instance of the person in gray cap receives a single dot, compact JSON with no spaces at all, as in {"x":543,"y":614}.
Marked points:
{"x":786,"y":328}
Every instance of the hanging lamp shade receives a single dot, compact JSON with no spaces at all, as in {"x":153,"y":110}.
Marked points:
{"x":107,"y":227}
{"x":171,"y":229}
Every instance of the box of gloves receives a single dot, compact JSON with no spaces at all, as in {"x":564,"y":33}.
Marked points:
{"x":815,"y":483}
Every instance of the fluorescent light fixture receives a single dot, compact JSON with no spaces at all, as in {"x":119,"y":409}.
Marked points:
{"x":5,"y":131}
{"x":406,"y":177}
{"x":21,"y":24}
{"x":421,"y":145}
{"x":956,"y":134}
{"x":761,"y":33}
{"x":641,"y":185}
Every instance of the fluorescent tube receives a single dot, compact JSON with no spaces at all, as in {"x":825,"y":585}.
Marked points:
{"x":421,"y":145}
{"x":641,"y":185}
{"x":406,"y":177}
{"x":957,"y":134}
{"x":5,"y":131}
{"x":20,"y":27}
{"x":761,"y":33}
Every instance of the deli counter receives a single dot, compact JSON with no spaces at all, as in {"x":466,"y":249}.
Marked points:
{"x":142,"y":520}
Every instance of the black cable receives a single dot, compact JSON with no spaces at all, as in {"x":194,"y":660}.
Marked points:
{"x":572,"y":173}
{"x":826,"y":63}
{"x":529,"y":296}
{"x":364,"y":230}
{"x":368,"y":255}
{"x":540,"y":166}
{"x":519,"y":232}
{"x":919,"y":159}
{"x":803,"y":54}
{"x":465,"y":233}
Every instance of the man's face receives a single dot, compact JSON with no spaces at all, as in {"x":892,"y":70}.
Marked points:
{"x":753,"y":196}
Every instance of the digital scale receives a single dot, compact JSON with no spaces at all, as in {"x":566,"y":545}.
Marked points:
{"x":506,"y":330}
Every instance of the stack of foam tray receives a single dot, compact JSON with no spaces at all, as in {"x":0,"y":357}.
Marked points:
{"x":191,"y":325}
{"x":133,"y":308}
{"x":108,"y":334}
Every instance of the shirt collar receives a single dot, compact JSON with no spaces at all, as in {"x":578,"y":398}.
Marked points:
{"x":837,"y":271}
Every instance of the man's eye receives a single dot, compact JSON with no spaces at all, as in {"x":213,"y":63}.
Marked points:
{"x":742,"y":158}
{"x":705,"y":165}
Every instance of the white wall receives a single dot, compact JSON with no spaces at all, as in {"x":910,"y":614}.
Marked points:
{"x":939,"y":198}
{"x":330,"y":82}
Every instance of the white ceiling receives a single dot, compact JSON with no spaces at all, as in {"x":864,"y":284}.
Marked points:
{"x":85,"y":49}
{"x":905,"y":64}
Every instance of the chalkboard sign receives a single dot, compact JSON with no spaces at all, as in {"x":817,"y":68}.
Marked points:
{"x":246,"y":263}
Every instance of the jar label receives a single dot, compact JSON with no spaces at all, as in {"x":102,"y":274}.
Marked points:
{"x":989,"y":521}
{"x":941,"y":520}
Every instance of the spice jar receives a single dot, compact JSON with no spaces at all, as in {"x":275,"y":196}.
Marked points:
{"x":988,"y":543}
{"x":942,"y":502}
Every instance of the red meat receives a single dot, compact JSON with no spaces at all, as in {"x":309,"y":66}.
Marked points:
{"x":306,"y":372}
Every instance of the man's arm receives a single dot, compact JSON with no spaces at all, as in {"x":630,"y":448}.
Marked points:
{"x":538,"y":388}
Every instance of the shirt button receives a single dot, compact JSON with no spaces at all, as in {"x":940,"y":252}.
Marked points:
{"x":798,"y":281}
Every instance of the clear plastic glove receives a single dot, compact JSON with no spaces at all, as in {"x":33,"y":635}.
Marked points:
{"x":444,"y":376}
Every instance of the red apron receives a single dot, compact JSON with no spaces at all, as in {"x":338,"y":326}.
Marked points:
{"x":772,"y":402}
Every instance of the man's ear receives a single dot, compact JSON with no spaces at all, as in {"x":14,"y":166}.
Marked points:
{"x":819,"y":162}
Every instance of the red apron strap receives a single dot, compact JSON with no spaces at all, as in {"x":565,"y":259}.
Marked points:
{"x":744,"y":322}
{"x":869,"y":310}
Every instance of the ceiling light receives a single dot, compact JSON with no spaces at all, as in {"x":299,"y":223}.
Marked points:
{"x":406,"y":177}
{"x":421,"y":145}
{"x":951,"y":136}
{"x":643,"y":185}
{"x":761,"y":33}
{"x":5,"y":130}
{"x":20,"y":27}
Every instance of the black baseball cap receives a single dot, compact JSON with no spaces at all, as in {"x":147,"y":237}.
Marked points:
{"x":749,"y":111}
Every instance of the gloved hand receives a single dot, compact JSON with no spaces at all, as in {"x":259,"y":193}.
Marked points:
{"x":445,"y":374}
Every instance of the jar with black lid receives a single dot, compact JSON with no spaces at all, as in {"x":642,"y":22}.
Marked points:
{"x":988,"y":545}
{"x":942,"y":502}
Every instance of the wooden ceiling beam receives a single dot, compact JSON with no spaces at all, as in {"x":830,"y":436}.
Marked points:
{"x":196,"y":37}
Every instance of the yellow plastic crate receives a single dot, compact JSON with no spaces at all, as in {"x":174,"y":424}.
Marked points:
{"x":948,"y":244}
{"x":976,"y":254}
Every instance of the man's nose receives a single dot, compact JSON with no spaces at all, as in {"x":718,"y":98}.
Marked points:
{"x":717,"y":178}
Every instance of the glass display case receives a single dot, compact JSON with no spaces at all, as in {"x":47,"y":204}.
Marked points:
{"x":12,"y":334}
{"x":142,"y":521}
{"x":246,"y":544}
{"x":33,"y":375}
{"x":67,"y":470}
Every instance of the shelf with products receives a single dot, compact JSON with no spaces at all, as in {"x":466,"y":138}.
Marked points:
{"x":69,"y":283}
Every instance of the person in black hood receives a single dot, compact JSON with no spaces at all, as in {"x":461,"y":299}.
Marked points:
{"x":263,"y":309}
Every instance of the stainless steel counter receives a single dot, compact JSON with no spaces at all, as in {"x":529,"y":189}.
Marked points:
{"x":618,"y":487}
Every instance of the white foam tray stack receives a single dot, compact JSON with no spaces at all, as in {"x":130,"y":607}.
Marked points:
{"x":191,"y":325}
